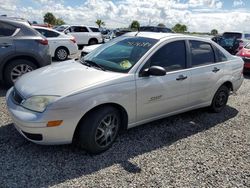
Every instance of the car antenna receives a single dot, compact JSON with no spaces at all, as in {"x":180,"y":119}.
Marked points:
{"x":137,"y":33}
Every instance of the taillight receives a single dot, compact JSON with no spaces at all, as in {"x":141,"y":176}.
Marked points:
{"x":241,"y":44}
{"x":73,"y":40}
{"x":43,"y":41}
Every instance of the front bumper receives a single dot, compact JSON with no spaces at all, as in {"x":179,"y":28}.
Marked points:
{"x":33,"y":125}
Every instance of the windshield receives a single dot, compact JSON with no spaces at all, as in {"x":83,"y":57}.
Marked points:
{"x":247,"y":36}
{"x":247,"y":46}
{"x":122,"y":54}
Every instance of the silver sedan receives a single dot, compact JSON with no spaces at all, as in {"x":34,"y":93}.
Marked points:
{"x":126,"y":82}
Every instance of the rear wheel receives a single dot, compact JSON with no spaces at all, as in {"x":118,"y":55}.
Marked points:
{"x":220,"y":99}
{"x":93,"y":41}
{"x":61,"y":54}
{"x":17,"y":68}
{"x":99,"y":129}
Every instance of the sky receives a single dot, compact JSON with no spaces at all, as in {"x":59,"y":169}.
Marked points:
{"x":197,"y":15}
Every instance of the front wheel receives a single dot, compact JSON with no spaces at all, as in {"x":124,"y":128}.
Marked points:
{"x":15,"y":69}
{"x":220,"y":99}
{"x":99,"y":129}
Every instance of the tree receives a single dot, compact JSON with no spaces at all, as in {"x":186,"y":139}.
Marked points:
{"x":59,"y":21}
{"x":214,"y":32}
{"x":135,"y":25}
{"x":178,"y":28}
{"x":49,"y":18}
{"x":161,"y":25}
{"x":100,"y":23}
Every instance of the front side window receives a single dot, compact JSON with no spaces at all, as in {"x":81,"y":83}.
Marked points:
{"x":122,"y":54}
{"x":6,"y":30}
{"x":172,"y":56}
{"x":95,"y":29}
{"x":201,"y":53}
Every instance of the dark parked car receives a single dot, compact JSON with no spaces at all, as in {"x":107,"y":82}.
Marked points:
{"x":156,"y":29}
{"x":22,"y":49}
{"x":233,"y":42}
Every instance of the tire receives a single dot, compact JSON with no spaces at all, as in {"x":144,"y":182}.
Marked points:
{"x":93,"y":41}
{"x":99,"y":129}
{"x":220,"y":99}
{"x":61,"y":54}
{"x":15,"y":69}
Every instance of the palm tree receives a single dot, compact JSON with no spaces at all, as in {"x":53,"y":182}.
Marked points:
{"x":100,"y":23}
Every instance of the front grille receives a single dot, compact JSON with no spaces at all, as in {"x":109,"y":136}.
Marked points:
{"x":17,"y":98}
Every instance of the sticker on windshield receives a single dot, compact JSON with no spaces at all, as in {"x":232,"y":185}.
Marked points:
{"x":125,"y":64}
{"x":140,"y":44}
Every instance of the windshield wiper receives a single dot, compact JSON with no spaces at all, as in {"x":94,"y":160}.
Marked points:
{"x":92,"y":63}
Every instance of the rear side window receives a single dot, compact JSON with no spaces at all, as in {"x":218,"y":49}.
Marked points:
{"x":147,"y":29}
{"x":219,"y":54}
{"x":232,"y":35}
{"x":48,"y":34}
{"x":201,"y":53}
{"x":172,"y":56}
{"x":94,"y":29}
{"x":78,"y":29}
{"x":164,"y":30}
{"x":6,"y":30}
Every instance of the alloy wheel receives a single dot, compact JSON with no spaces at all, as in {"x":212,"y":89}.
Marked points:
{"x":107,"y":130}
{"x":19,"y":70}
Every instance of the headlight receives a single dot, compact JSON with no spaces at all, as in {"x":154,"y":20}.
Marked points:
{"x":38,"y":103}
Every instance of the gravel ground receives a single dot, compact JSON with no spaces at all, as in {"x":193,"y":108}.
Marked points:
{"x":194,"y":149}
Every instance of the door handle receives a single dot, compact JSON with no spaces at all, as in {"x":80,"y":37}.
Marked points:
{"x":215,"y":69}
{"x":181,"y":77}
{"x":5,"y":45}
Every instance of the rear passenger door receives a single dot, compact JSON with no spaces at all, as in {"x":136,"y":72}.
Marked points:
{"x":206,"y":71}
{"x":80,"y":33}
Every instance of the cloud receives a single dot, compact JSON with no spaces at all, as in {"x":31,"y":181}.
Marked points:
{"x":238,"y":3}
{"x":198,"y":15}
{"x":8,"y":5}
{"x":206,"y":3}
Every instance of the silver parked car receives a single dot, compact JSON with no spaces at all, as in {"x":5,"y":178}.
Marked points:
{"x":129,"y":81}
{"x":22,"y":49}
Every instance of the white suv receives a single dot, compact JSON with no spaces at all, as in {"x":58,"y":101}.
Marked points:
{"x":83,"y":34}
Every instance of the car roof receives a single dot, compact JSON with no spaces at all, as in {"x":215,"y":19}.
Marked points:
{"x":15,"y":20}
{"x":167,"y":36}
{"x":46,"y":28}
{"x":156,"y":35}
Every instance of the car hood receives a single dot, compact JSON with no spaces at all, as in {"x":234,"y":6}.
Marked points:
{"x":62,"y":79}
{"x":89,"y":49}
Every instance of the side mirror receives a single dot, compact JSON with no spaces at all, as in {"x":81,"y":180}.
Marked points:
{"x":66,"y":32}
{"x":154,"y":71}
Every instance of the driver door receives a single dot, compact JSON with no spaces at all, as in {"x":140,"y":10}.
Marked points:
{"x":161,"y":95}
